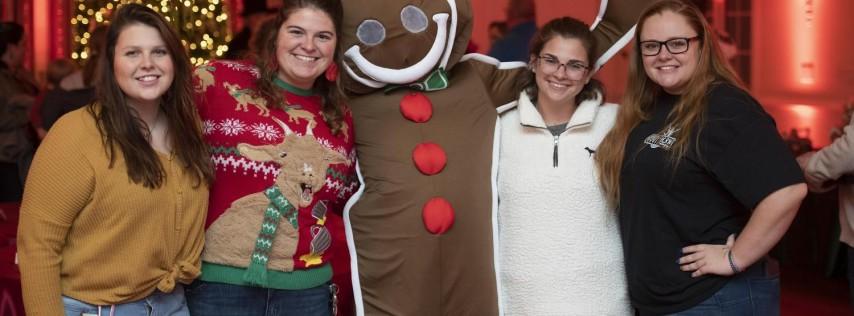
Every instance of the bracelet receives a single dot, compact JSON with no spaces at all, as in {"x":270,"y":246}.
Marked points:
{"x":735,"y":269}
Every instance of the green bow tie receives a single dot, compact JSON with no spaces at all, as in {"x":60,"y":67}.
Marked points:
{"x":437,"y":80}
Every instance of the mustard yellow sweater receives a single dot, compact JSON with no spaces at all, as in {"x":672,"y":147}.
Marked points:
{"x":87,"y":232}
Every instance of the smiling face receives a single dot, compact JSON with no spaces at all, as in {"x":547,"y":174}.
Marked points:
{"x":401,"y":41}
{"x":671,"y":71}
{"x":560,"y":70}
{"x":305,"y":47}
{"x":142,"y":65}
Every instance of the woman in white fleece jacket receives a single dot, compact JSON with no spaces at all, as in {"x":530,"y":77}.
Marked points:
{"x":560,"y":250}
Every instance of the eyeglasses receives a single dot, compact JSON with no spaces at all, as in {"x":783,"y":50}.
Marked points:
{"x":573,"y":68}
{"x":677,"y":45}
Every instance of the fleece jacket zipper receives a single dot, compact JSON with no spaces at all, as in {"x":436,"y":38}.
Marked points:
{"x":556,"y":139}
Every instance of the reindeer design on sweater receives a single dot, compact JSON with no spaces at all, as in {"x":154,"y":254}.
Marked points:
{"x":234,"y":237}
{"x":205,"y":77}
{"x":245,"y":97}
{"x":295,"y":112}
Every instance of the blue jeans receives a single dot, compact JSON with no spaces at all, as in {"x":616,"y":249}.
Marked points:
{"x":156,"y":304}
{"x":220,"y":299}
{"x":752,"y":292}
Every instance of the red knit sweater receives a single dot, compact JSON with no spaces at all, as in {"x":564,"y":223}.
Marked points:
{"x":263,"y":153}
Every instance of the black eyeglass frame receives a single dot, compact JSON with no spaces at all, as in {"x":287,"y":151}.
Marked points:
{"x":574,"y":63}
{"x":664,"y":44}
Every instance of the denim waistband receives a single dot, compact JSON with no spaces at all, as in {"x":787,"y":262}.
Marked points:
{"x":158,"y":303}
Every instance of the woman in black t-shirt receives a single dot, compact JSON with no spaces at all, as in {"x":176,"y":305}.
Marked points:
{"x":692,"y":163}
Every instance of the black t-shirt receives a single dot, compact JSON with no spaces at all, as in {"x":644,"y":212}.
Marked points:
{"x":708,"y":197}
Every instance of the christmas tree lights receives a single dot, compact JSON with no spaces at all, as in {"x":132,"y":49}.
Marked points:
{"x":201,"y":24}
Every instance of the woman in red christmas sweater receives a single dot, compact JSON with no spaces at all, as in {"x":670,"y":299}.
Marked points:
{"x":282,"y":145}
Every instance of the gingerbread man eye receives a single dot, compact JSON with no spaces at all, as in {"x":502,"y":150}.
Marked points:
{"x":413,"y":19}
{"x":371,"y":32}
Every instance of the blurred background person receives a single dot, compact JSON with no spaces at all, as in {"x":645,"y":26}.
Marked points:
{"x":496,"y":31}
{"x":255,"y":12}
{"x":798,"y":144}
{"x":833,"y":167}
{"x":17,"y":95}
{"x":56,"y":71}
{"x":521,"y":25}
{"x":78,"y":88}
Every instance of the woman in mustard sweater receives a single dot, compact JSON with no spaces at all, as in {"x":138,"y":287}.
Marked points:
{"x":114,"y":208}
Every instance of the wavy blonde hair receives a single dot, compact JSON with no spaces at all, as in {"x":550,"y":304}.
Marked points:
{"x":641,"y":92}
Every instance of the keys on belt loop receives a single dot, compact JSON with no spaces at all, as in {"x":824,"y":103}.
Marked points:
{"x":333,"y":289}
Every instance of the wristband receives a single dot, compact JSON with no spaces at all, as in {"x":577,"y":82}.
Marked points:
{"x":735,"y":269}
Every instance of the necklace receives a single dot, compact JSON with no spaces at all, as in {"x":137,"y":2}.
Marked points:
{"x":157,"y":121}
{"x":155,"y":126}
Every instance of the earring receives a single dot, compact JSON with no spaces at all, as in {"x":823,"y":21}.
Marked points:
{"x":332,"y":72}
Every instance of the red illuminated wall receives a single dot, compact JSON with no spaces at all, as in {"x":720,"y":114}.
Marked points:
{"x":802,"y":69}
{"x":812,"y":121}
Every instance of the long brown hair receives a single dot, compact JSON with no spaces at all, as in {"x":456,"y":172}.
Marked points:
{"x":119,"y":123}
{"x":688,"y":113}
{"x":96,"y":49}
{"x":569,"y":28}
{"x":267,"y":62}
